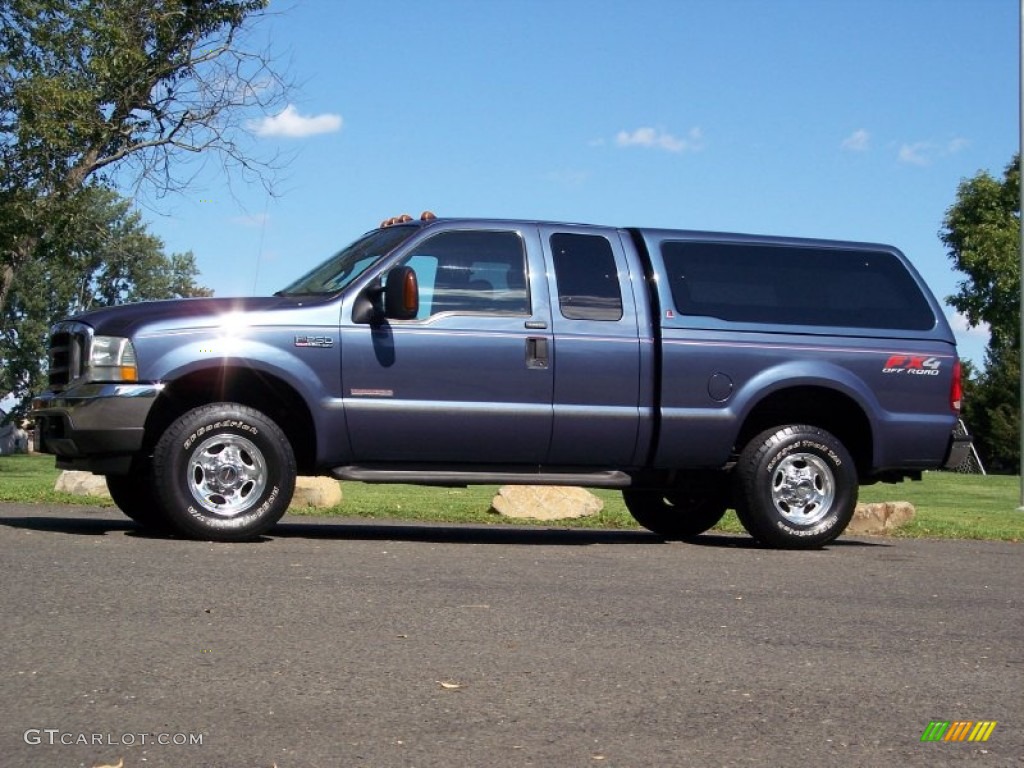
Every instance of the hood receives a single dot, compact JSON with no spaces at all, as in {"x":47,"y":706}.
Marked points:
{"x":127,"y":319}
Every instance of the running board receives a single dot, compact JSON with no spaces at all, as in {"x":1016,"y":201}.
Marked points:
{"x":461,"y":478}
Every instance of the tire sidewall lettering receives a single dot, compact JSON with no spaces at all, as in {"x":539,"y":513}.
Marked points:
{"x":821,"y":527}
{"x":228,"y":523}
{"x":822,"y":450}
{"x":225,"y":424}
{"x":804,"y":446}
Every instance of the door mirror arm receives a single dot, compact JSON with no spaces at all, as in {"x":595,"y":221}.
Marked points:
{"x":369,"y":308}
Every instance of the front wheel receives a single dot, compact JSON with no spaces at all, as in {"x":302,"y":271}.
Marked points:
{"x":797,"y":487}
{"x":224,"y":472}
{"x":677,"y":513}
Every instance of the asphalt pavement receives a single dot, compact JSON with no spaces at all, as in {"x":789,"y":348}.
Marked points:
{"x":355,"y":643}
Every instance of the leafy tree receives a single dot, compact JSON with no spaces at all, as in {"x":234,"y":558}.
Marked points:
{"x":93,"y":87}
{"x":981,"y":231}
{"x":99,"y":254}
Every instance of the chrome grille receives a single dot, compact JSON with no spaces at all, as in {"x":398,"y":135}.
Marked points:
{"x":69,"y":343}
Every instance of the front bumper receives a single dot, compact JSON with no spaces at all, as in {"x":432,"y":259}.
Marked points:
{"x":94,"y":427}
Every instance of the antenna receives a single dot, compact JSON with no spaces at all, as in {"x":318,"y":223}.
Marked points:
{"x":259,"y":250}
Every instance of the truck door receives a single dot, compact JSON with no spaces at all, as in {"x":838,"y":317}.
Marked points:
{"x":469,"y":381}
{"x":598,"y":355}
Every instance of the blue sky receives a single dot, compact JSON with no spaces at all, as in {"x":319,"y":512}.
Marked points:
{"x":850,"y":119}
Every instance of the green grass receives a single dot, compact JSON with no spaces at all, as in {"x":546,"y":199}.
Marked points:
{"x":950,"y":506}
{"x":29,"y":479}
{"x":457,"y":505}
{"x":954,"y":506}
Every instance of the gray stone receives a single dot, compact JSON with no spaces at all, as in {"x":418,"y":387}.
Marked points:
{"x":545,"y":502}
{"x":82,"y":484}
{"x":883,"y":517}
{"x":316,"y":492}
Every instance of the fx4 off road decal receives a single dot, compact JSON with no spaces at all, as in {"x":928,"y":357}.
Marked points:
{"x":912,"y":365}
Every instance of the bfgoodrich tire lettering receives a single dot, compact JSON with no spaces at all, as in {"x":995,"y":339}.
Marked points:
{"x":224,"y":472}
{"x":797,"y":487}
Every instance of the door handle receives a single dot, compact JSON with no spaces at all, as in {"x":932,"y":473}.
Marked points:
{"x":537,"y":353}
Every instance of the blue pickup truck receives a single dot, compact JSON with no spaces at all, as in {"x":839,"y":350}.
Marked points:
{"x":695,"y":371}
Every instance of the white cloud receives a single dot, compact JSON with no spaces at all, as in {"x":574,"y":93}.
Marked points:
{"x":291,"y":124}
{"x":959,"y":323}
{"x":916,"y":153}
{"x":971,"y":342}
{"x":857,"y":141}
{"x":656,"y":138}
{"x":925,"y":152}
{"x":957,"y":145}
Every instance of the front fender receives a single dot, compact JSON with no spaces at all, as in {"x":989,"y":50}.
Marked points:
{"x":309,"y":371}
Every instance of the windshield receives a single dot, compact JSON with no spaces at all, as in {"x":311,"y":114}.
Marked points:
{"x":345,"y":266}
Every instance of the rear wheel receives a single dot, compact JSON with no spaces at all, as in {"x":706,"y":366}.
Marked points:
{"x":224,"y":472}
{"x":797,"y":487}
{"x":678,"y":513}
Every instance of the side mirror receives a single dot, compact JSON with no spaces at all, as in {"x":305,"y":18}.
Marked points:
{"x":402,"y":294}
{"x":367,"y":309}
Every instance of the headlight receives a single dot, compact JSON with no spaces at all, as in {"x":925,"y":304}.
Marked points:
{"x":112,"y":358}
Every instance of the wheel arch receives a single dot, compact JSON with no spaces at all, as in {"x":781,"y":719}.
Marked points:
{"x":820,"y":406}
{"x":265,"y":392}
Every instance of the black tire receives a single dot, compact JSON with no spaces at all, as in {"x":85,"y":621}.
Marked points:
{"x":135,"y":495}
{"x":678,"y":513}
{"x":796,"y":487}
{"x":224,"y":472}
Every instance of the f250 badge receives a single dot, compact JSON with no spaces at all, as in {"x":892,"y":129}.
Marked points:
{"x":319,"y":342}
{"x":912,"y":365}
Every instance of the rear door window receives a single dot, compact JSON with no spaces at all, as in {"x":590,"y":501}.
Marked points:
{"x":587,"y":279}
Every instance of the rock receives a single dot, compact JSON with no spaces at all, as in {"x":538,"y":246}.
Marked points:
{"x":82,"y":484}
{"x":316,"y":492}
{"x":878,"y":518}
{"x":545,"y":502}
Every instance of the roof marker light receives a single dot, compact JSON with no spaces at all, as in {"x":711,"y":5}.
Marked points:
{"x":405,"y":218}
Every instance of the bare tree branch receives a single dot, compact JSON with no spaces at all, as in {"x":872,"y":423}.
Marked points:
{"x":131,"y":88}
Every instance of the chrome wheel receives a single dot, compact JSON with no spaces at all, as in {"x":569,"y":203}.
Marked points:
{"x":803,"y":489}
{"x":224,"y":472}
{"x":796,"y":486}
{"x":227,"y":474}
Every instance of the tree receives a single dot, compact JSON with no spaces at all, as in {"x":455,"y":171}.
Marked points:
{"x":99,"y":254}
{"x":981,"y":231}
{"x":90,"y":88}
